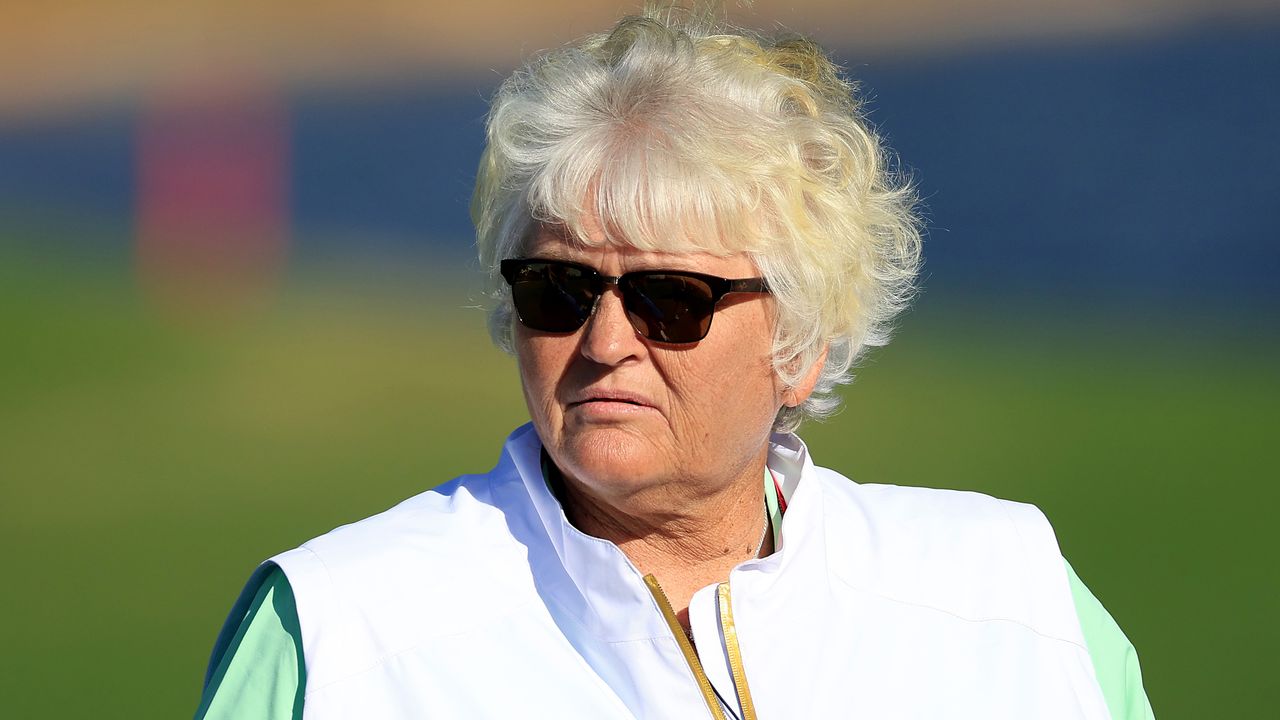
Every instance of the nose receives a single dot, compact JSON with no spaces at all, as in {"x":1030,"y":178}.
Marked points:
{"x":608,"y":337}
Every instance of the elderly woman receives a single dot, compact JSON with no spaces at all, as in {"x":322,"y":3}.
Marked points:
{"x":692,"y":235}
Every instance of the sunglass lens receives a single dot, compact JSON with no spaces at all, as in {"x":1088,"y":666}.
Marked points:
{"x":552,"y":297}
{"x":669,"y":308}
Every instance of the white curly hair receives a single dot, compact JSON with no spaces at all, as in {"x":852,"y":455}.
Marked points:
{"x":686,"y":134}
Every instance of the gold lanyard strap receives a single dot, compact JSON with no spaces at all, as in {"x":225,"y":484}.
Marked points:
{"x":735,"y":655}
{"x":686,"y":647}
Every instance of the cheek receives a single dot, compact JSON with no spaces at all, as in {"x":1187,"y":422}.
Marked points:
{"x":540,"y":366}
{"x":748,"y":383}
{"x":752,"y":390}
{"x":732,"y":393}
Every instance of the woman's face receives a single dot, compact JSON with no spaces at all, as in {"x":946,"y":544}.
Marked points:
{"x":633,"y":420}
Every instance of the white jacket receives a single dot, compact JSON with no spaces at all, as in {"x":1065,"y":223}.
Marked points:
{"x":479,"y":600}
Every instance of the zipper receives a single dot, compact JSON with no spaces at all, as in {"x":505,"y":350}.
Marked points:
{"x":729,"y":633}
{"x":736,"y":669}
{"x":686,"y":647}
{"x":735,"y":655}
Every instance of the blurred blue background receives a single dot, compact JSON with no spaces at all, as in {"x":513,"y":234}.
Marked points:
{"x":237,"y":299}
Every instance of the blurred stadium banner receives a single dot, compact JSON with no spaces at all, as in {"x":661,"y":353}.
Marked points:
{"x":212,"y":192}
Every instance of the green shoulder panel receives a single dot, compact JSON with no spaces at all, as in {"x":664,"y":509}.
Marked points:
{"x":260,"y":673}
{"x":1115,"y":662}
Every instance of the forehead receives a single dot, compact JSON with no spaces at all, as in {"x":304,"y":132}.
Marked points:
{"x":556,"y":243}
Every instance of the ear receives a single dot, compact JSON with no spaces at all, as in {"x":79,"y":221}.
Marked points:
{"x":794,"y":395}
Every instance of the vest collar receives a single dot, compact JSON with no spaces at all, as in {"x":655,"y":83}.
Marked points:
{"x":596,"y":584}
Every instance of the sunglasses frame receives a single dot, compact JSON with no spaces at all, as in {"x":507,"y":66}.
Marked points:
{"x":598,"y":281}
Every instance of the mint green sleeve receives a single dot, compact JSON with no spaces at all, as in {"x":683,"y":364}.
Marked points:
{"x":1115,"y":662}
{"x":261,"y":673}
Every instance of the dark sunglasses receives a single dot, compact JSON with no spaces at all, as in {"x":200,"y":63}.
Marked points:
{"x":670,"y":306}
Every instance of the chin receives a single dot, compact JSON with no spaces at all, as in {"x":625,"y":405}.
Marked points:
{"x":610,"y":456}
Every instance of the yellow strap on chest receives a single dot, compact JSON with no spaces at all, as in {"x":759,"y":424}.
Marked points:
{"x":735,"y":654}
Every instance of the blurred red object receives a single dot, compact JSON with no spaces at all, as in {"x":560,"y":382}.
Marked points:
{"x":213,"y":197}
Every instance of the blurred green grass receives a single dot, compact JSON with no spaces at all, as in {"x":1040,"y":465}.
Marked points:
{"x":147,"y":465}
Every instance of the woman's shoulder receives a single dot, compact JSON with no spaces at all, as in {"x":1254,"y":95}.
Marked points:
{"x":454,"y":520}
{"x":439,"y":563}
{"x":934,"y":511}
{"x":968,"y":554}
{"x":436,"y":515}
{"x":447,"y":529}
{"x":941,"y":510}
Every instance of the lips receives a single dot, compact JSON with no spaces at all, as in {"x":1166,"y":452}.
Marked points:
{"x":611,"y":396}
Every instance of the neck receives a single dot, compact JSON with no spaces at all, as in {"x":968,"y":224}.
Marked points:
{"x":687,"y":543}
{"x":726,"y":529}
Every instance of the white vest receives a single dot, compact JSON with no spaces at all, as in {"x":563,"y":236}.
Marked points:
{"x":479,"y":600}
